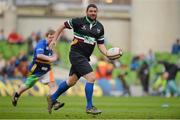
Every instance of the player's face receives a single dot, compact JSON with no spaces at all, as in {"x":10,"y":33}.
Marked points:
{"x":50,"y":38}
{"x":92,"y":13}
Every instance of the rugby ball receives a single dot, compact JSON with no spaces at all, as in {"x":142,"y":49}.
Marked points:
{"x":114,"y":53}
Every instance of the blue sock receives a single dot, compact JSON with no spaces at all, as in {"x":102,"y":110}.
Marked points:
{"x":61,"y":89}
{"x":89,"y":93}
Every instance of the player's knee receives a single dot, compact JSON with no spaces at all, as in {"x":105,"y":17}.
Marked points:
{"x":27,"y":85}
{"x":91,"y":79}
{"x":71,"y":82}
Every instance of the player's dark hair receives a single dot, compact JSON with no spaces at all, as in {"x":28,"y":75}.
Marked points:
{"x":50,"y":32}
{"x":91,"y":5}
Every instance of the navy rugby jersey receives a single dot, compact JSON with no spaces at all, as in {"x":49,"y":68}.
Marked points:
{"x":38,"y":66}
{"x":86,"y":34}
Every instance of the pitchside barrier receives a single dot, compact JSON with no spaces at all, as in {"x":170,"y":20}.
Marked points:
{"x":9,"y":86}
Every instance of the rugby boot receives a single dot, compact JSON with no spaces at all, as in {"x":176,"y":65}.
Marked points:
{"x":15,"y":99}
{"x":93,"y":111}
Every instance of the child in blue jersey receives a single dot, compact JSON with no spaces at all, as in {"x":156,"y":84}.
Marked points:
{"x":40,"y":67}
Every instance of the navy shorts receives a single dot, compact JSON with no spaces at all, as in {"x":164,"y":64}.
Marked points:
{"x":79,"y":64}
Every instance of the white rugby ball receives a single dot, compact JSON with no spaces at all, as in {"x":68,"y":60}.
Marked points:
{"x":114,"y":53}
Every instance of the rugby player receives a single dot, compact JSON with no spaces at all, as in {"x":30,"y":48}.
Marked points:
{"x":40,"y":68}
{"x":87,"y":32}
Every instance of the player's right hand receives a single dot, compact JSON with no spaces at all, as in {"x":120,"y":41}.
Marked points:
{"x":54,"y":58}
{"x":52,"y":45}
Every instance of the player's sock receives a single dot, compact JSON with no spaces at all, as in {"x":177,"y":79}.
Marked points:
{"x":16,"y":94}
{"x":61,"y":89}
{"x":89,"y":93}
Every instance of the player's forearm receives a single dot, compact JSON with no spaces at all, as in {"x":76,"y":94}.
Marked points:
{"x":102,"y":49}
{"x":58,"y":32}
{"x":44,"y":57}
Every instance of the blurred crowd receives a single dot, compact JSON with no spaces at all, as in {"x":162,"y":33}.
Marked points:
{"x":113,"y":76}
{"x":15,"y":67}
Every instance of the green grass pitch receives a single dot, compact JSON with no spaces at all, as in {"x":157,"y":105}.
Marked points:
{"x":112,"y":108}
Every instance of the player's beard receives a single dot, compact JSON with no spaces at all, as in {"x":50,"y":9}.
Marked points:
{"x":92,"y":17}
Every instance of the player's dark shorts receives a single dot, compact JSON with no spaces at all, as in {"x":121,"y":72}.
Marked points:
{"x":79,"y":64}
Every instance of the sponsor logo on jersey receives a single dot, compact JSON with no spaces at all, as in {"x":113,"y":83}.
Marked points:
{"x":98,"y":30}
{"x":83,"y":27}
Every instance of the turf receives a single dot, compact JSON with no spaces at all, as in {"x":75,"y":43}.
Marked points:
{"x":112,"y":107}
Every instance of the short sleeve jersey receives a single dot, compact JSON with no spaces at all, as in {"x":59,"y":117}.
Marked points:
{"x":86,"y":34}
{"x":38,"y":66}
